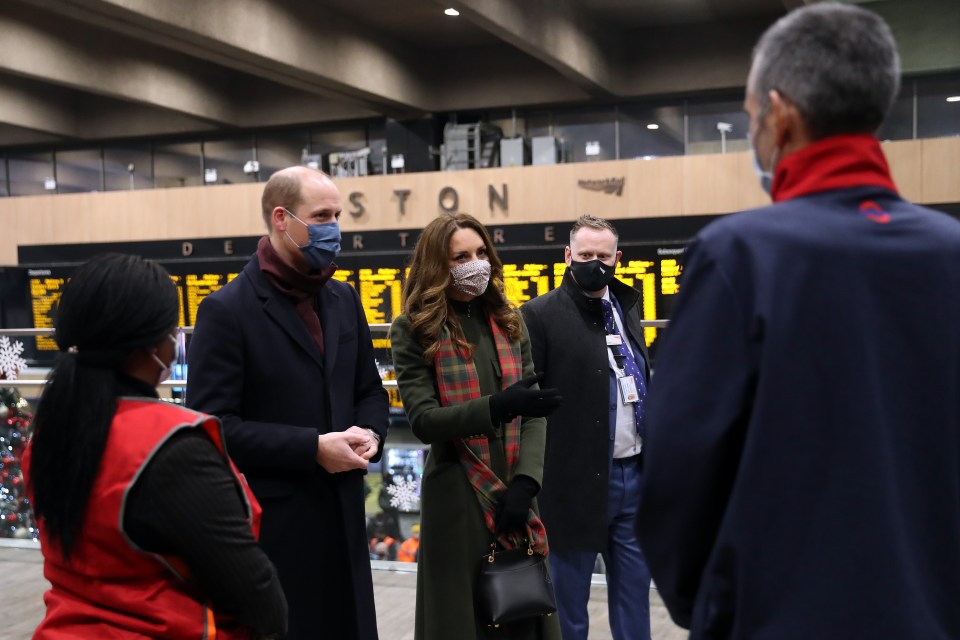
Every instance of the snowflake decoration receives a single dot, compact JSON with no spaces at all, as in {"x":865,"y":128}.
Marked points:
{"x":10,"y":361}
{"x":404,"y":494}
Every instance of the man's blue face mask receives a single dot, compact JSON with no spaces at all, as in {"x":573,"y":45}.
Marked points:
{"x":323,"y":242}
{"x":765,"y":176}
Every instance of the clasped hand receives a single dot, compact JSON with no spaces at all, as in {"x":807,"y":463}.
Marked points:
{"x":520,"y":400}
{"x":339,"y":451}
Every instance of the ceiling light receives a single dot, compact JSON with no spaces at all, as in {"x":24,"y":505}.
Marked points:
{"x":953,"y":99}
{"x":653,"y":126}
{"x":451,"y":12}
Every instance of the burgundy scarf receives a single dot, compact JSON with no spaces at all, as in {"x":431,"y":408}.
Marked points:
{"x":301,"y":287}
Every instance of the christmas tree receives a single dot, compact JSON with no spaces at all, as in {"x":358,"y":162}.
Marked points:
{"x":16,"y":518}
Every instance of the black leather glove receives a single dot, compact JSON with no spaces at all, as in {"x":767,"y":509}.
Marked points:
{"x":514,"y":505}
{"x":520,"y":400}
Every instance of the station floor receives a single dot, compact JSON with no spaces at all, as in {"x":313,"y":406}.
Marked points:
{"x":22,"y":586}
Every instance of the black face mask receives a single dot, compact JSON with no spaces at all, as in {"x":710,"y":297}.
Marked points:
{"x":591,"y":275}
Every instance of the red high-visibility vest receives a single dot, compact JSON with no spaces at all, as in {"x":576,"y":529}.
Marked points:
{"x":110,"y":588}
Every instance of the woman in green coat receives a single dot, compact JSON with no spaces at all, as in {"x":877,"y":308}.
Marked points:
{"x":466,"y":378}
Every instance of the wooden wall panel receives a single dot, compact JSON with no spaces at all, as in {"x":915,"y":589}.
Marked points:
{"x":655,"y":187}
{"x":941,"y":170}
{"x":927,"y":171}
{"x":905,"y":158}
{"x":546,"y":194}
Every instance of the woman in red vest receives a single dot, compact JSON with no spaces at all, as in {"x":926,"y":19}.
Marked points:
{"x":147,"y":530}
{"x":465,"y":375}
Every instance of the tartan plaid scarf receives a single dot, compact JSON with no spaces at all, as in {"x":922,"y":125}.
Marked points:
{"x":458,"y":382}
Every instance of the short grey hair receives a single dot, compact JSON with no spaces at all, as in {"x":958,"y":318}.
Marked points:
{"x":838,"y":64}
{"x":592,"y":222}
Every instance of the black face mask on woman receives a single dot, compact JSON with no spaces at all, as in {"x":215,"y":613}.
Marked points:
{"x":592,"y":275}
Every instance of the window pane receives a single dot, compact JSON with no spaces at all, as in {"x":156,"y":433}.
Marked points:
{"x":228,"y":158}
{"x":127,"y":167}
{"x":334,"y":139}
{"x":504,"y":118}
{"x":575,"y":128}
{"x":377,"y":141}
{"x":715,"y":126}
{"x":177,"y":165}
{"x":898,"y":124}
{"x":935,"y":116}
{"x":539,"y":123}
{"x":649,"y":131}
{"x":282,"y":149}
{"x":78,"y":171}
{"x":29,"y":172}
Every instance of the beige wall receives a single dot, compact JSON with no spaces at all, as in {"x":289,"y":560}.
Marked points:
{"x":926,"y":171}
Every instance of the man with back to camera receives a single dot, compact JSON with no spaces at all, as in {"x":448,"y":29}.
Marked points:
{"x":802,"y":462}
{"x":587,"y":341}
{"x":283,"y":356}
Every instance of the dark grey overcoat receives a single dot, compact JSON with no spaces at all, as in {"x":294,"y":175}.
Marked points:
{"x":569,"y":348}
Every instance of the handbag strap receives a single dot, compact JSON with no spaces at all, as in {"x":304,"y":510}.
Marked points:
{"x":493,"y":549}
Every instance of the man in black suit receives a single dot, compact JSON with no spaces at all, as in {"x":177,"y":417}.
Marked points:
{"x":587,"y":342}
{"x":283,"y":356}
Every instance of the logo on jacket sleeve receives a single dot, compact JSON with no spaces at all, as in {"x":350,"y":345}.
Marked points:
{"x":874,"y":212}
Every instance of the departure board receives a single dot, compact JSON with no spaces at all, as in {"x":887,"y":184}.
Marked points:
{"x":197,"y":286}
{"x":522,"y":282}
{"x":380,"y":293}
{"x":45,"y":289}
{"x":46,"y":285}
{"x":653,"y":268}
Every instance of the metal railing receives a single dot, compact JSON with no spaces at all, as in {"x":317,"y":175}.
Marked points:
{"x":176,"y":384}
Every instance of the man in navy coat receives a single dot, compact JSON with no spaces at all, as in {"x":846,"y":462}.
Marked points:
{"x":283,"y":356}
{"x":802,"y":459}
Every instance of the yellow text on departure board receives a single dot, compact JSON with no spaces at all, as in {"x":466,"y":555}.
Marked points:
{"x":178,"y":283}
{"x":523,"y":282}
{"x":197,"y":286}
{"x":44,"y":295}
{"x":638,"y":274}
{"x":670,"y":270}
{"x":380,"y":291}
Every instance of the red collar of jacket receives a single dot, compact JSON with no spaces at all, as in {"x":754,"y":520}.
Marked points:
{"x":837,"y":162}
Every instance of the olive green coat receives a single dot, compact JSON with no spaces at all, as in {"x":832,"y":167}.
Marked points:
{"x":453,"y":535}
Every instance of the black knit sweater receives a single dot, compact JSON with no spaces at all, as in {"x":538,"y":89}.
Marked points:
{"x":186,"y":504}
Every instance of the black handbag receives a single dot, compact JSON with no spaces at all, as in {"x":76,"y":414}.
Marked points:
{"x":513,"y":585}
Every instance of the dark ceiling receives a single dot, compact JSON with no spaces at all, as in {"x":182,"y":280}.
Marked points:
{"x":82,"y":70}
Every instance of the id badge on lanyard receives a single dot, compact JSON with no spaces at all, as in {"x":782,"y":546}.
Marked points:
{"x":627,"y":384}
{"x":628,"y":389}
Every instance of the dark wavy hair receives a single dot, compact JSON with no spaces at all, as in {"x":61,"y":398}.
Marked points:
{"x":112,"y":306}
{"x":425,"y":291}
